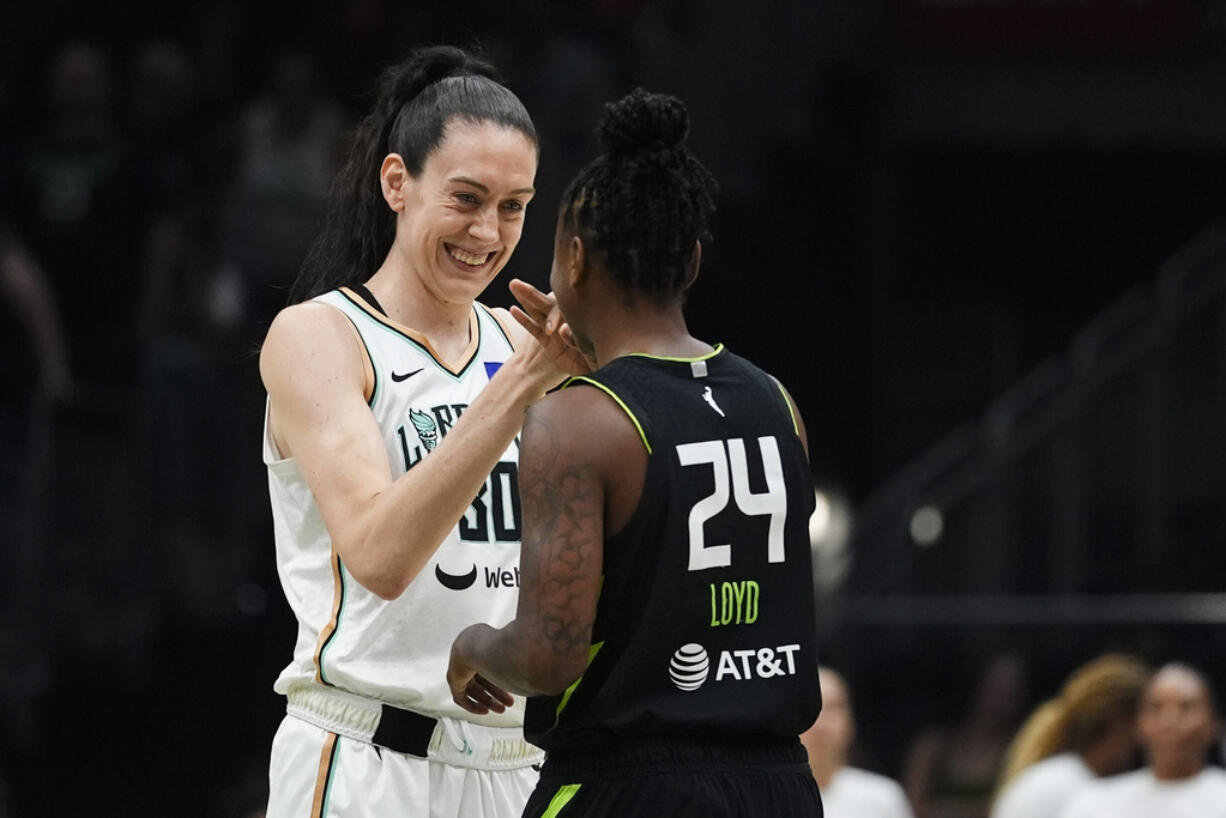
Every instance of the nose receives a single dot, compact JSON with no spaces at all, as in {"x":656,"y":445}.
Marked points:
{"x":484,"y":226}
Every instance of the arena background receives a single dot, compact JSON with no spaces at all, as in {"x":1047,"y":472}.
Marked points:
{"x":980,"y":241}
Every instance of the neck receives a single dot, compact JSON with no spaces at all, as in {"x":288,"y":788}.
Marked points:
{"x":409,"y":303}
{"x":1175,"y":769}
{"x":1097,"y":762}
{"x":662,"y":333}
{"x":1103,"y":759}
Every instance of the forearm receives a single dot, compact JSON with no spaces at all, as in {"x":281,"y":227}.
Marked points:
{"x":402,"y":526}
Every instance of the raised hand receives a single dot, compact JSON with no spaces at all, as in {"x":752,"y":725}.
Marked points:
{"x":538,"y":313}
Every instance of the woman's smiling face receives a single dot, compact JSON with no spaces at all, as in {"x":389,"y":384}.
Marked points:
{"x":464,"y":214}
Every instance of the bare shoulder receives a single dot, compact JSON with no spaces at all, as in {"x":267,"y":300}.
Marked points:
{"x":510,"y":326}
{"x":308,"y":337}
{"x":583,"y":433}
{"x":587,"y":420}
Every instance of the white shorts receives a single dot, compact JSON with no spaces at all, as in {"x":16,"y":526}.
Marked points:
{"x":322,"y":773}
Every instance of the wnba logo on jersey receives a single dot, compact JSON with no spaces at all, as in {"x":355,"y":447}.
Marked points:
{"x":690,"y":666}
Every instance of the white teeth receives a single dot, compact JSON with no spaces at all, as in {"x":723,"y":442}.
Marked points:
{"x":468,"y":258}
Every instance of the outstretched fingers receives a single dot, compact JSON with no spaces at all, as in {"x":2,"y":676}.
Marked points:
{"x":541,"y":307}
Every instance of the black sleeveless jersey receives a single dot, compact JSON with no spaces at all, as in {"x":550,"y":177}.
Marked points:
{"x":706,"y":624}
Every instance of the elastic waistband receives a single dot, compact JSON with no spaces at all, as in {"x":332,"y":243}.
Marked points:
{"x":637,"y":757}
{"x":450,"y":741}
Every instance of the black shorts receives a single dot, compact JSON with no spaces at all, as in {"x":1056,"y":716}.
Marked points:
{"x":669,"y":779}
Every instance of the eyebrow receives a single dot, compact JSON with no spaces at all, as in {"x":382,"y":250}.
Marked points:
{"x":464,"y":180}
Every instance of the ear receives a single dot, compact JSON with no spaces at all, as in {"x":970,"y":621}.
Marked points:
{"x":577,"y":270}
{"x":692,"y":274}
{"x":394,"y":178}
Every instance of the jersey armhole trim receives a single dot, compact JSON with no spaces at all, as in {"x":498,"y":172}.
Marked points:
{"x":370,"y":374}
{"x":788,"y":404}
{"x":570,"y":691}
{"x":617,"y":400}
{"x":498,"y":322}
{"x":370,"y":363}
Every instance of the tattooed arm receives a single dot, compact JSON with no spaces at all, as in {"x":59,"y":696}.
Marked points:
{"x":574,"y":454}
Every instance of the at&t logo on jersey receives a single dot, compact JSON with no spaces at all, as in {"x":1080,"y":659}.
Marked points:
{"x":690,"y":666}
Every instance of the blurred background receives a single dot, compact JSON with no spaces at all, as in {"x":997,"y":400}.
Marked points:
{"x":981,"y":242}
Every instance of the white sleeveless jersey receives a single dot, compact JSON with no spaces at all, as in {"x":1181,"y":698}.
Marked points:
{"x":397,"y":651}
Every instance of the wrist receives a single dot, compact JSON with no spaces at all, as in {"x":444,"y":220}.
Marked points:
{"x":525,"y":379}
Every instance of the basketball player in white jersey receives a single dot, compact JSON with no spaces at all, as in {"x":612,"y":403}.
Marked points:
{"x":394,"y":405}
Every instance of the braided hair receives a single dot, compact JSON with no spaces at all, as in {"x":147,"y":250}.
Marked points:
{"x":416,"y":100}
{"x":645,"y":201}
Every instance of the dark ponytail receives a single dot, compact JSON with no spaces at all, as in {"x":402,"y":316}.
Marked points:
{"x":416,"y":100}
{"x":645,"y":201}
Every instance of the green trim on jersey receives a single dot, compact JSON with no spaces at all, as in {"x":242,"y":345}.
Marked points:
{"x":332,"y":765}
{"x":591,"y":654}
{"x":617,"y":400}
{"x":560,"y":799}
{"x":718,"y":349}
{"x":791,"y":413}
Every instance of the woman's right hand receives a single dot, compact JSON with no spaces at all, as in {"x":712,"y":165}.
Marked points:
{"x":539,"y":315}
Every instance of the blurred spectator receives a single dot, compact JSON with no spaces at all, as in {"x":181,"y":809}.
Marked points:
{"x":34,"y":370}
{"x":951,"y":772}
{"x":68,"y":202}
{"x":847,"y":792}
{"x":167,"y":126}
{"x":35,"y":356}
{"x":192,"y":347}
{"x":356,"y":39}
{"x":289,"y":142}
{"x":1177,"y":724}
{"x":1085,"y":732}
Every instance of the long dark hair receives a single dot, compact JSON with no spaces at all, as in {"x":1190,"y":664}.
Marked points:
{"x":646,"y":200}
{"x":416,"y":100}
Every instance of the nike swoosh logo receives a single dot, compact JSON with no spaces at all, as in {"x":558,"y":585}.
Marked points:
{"x":456,"y":582}
{"x":397,"y":377}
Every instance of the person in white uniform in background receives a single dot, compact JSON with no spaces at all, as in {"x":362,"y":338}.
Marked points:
{"x":1177,"y":725}
{"x":395,"y":402}
{"x":847,"y":792}
{"x":1085,"y":732}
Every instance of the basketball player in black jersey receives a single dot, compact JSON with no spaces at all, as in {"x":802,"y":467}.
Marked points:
{"x":666,"y":630}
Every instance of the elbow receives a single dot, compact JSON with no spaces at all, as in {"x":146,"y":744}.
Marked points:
{"x":386,"y":589}
{"x":384,"y":581}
